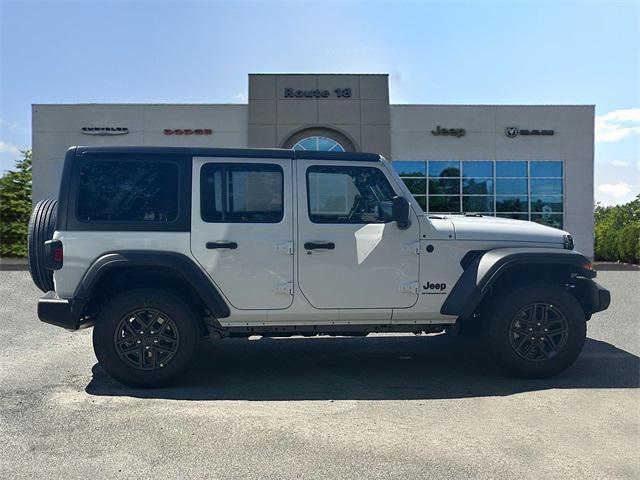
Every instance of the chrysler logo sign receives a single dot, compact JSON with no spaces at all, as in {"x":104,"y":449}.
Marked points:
{"x":105,"y":130}
{"x":513,"y":132}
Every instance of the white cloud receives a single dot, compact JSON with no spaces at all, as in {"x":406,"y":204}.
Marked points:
{"x":617,"y":190}
{"x":620,"y":163}
{"x":242,"y":97}
{"x":618,"y":124}
{"x":9,"y":148}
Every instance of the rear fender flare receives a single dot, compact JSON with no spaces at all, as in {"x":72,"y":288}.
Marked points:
{"x":177,"y":262}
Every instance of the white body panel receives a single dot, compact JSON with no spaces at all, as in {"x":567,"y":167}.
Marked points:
{"x":360,"y":282}
{"x":255,"y":275}
{"x":371,"y":264}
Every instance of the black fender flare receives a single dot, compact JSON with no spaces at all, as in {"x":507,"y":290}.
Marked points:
{"x":487,"y":267}
{"x":185,"y":266}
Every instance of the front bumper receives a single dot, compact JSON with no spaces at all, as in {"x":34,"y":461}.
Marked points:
{"x":600,"y":297}
{"x":61,"y":312}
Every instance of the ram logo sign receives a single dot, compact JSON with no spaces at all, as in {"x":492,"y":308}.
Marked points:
{"x":513,"y":132}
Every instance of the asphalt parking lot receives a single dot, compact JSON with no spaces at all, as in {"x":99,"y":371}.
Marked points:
{"x":382,"y":407}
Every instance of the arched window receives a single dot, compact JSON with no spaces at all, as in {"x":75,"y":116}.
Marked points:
{"x":318,"y":143}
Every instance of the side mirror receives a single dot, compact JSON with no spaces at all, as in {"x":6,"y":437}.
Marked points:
{"x":400,"y":210}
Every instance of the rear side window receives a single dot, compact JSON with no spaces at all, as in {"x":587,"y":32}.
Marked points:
{"x":128,"y":191}
{"x":241,"y":193}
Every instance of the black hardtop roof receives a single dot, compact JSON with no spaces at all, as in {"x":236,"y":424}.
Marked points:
{"x":232,"y":152}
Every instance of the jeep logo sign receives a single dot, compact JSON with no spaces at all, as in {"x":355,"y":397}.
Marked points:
{"x":452,"y":132}
{"x":105,"y":130}
{"x":513,"y":132}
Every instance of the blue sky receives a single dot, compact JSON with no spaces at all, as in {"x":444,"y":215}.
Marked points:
{"x":453,"y":52}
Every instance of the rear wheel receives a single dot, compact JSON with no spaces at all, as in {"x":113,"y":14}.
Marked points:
{"x":537,"y":331}
{"x":146,"y":337}
{"x":42,"y":224}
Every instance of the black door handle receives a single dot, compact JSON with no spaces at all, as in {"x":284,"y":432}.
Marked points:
{"x":221,"y":244}
{"x":319,"y":245}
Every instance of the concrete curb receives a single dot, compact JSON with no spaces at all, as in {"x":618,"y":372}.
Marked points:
{"x":13,"y":264}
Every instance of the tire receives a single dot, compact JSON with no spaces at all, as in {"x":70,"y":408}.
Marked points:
{"x":123,"y":352}
{"x":42,"y":224}
{"x":520,"y":314}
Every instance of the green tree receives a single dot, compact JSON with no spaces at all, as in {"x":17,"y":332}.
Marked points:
{"x":15,"y":207}
{"x":617,"y":232}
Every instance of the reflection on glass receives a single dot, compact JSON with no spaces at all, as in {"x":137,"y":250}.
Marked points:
{"x":511,"y":186}
{"x":479,"y":204}
{"x":546,"y":186}
{"x":444,"y":185}
{"x":545,"y":169}
{"x":477,"y":168}
{"x":444,"y":203}
{"x":417,"y":186}
{"x":477,"y":186}
{"x":512,"y":203}
{"x":546,"y":204}
{"x":408,"y":168}
{"x":444,"y":169}
{"x":511,"y":168}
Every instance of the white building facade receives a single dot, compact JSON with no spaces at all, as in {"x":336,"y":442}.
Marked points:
{"x":530,"y":162}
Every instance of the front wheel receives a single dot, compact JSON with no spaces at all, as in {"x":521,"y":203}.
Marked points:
{"x":537,"y":331}
{"x":146,"y":337}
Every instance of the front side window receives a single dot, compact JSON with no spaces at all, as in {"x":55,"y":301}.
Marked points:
{"x":348,"y":195}
{"x":128,"y":191}
{"x":241,"y":193}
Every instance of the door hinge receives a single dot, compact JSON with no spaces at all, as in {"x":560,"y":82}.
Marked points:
{"x":285,"y":248}
{"x":412,"y":248}
{"x":285,"y":288}
{"x":409,"y":287}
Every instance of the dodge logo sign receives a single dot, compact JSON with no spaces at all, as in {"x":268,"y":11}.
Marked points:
{"x":513,"y":132}
{"x":105,"y":130}
{"x":188,"y":131}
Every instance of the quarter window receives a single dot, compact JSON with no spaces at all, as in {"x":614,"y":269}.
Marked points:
{"x":128,"y":191}
{"x":348,"y":195}
{"x":241,"y":193}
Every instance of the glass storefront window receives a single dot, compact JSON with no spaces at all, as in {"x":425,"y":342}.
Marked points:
{"x":477,"y":168}
{"x":509,"y":168}
{"x":525,"y":190}
{"x":317,"y":143}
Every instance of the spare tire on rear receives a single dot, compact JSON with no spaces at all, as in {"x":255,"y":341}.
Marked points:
{"x":41,"y":227}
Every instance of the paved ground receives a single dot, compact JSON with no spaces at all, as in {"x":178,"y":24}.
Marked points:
{"x":385,"y":407}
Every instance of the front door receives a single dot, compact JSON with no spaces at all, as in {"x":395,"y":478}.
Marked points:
{"x":351,"y":254}
{"x":242,"y":229}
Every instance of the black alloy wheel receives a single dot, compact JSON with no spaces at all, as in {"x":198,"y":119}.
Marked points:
{"x":147,"y":339}
{"x":538,"y":332}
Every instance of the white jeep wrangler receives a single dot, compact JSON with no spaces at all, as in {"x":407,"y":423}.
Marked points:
{"x":161,"y":247}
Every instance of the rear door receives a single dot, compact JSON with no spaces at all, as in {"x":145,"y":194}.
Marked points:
{"x":350,"y":253}
{"x":242,"y":229}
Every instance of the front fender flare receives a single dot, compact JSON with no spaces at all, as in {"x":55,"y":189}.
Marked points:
{"x":485,"y":269}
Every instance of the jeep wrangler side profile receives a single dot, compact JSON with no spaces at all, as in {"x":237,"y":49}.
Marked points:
{"x":158,"y":248}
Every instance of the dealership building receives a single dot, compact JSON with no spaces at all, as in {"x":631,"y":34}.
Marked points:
{"x":530,"y":162}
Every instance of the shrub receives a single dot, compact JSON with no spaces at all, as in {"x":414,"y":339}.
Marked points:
{"x":15,"y":207}
{"x":617,"y":232}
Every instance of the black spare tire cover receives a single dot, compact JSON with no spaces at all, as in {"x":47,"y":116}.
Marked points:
{"x":41,"y":227}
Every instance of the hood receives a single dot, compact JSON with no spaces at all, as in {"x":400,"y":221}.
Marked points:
{"x":504,"y":229}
